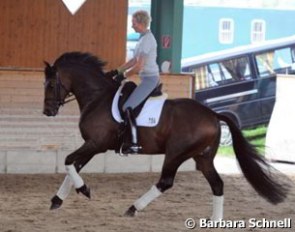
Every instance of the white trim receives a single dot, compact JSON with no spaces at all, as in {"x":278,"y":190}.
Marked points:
{"x":225,"y":97}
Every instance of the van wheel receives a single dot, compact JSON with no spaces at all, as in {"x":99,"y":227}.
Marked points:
{"x":225,"y":139}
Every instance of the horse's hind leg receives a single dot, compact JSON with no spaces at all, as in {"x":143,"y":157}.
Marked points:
{"x":166,"y":181}
{"x":206,"y":166}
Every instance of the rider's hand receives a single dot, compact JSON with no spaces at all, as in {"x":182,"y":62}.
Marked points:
{"x":112,"y":73}
{"x":119,"y":78}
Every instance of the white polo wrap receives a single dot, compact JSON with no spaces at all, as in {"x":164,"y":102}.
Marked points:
{"x":76,"y":178}
{"x":147,"y":198}
{"x":217,"y":208}
{"x":65,"y":188}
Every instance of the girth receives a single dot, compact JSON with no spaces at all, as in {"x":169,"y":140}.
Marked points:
{"x":126,"y":92}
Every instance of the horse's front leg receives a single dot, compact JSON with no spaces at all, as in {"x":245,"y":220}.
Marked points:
{"x":74,"y":163}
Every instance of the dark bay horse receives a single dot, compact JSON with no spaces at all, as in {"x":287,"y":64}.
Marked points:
{"x":186,"y":130}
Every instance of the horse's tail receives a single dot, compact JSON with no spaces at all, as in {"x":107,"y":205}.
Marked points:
{"x":255,"y":168}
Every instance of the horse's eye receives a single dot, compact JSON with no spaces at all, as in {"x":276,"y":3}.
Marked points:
{"x":49,"y":84}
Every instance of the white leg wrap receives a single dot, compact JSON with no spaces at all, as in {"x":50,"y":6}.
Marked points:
{"x":217,"y":208}
{"x":147,"y":198}
{"x":76,"y":178}
{"x":65,"y":188}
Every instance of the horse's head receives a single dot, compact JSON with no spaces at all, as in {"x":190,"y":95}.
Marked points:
{"x":74,"y":72}
{"x":55,"y":91}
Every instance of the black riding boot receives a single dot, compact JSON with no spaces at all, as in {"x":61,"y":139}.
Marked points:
{"x":130,"y":122}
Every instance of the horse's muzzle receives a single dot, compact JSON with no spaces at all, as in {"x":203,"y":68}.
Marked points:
{"x":50,"y":112}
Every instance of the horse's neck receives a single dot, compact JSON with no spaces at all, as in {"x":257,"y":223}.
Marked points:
{"x":86,"y":92}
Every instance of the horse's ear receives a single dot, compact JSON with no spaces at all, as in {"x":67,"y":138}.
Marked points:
{"x":47,"y":64}
{"x":49,"y":70}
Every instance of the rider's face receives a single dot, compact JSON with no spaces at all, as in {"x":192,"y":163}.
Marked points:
{"x":138,"y":27}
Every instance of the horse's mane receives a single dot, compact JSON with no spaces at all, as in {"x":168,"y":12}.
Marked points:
{"x":77,"y":59}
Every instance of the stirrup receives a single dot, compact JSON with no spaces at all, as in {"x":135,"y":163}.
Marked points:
{"x":132,"y":148}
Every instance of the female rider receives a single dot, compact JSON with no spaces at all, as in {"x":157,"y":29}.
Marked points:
{"x":144,"y":64}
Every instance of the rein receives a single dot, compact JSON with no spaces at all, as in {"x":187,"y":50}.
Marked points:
{"x":58,"y":86}
{"x":70,"y":97}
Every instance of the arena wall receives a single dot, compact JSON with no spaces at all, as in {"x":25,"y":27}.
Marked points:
{"x":32,"y":31}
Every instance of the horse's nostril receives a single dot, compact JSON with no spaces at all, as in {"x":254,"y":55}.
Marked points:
{"x":49,"y":112}
{"x":45,"y":112}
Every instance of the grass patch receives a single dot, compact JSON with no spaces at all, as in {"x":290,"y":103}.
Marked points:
{"x":255,"y":136}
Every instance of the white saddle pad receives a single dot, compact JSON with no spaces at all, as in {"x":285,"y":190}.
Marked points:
{"x":150,"y":113}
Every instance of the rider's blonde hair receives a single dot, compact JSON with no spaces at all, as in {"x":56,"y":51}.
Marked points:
{"x":142,"y":17}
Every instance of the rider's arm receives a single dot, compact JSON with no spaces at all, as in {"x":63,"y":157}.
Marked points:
{"x":120,"y":71}
{"x":137,"y":66}
{"x":127,"y":65}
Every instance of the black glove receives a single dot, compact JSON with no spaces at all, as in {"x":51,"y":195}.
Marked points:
{"x":112,"y":73}
{"x":119,"y":78}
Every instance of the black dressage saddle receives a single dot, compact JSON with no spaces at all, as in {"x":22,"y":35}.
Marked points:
{"x":126,"y":92}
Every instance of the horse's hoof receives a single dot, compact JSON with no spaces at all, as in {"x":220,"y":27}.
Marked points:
{"x":56,"y":202}
{"x":84,"y":190}
{"x":131,"y":212}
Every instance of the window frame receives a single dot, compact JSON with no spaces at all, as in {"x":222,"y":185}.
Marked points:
{"x":226,"y":35}
{"x":258,"y":36}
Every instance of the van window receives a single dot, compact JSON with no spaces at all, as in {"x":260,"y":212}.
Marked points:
{"x":238,"y":68}
{"x":223,"y":72}
{"x":204,"y":78}
{"x":277,"y":61}
{"x":265,"y":64}
{"x":282,"y":60}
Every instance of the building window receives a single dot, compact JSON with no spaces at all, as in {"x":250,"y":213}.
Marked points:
{"x":257,"y":31}
{"x":226,"y":31}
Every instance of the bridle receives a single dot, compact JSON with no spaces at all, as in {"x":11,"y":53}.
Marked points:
{"x":58,"y":86}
